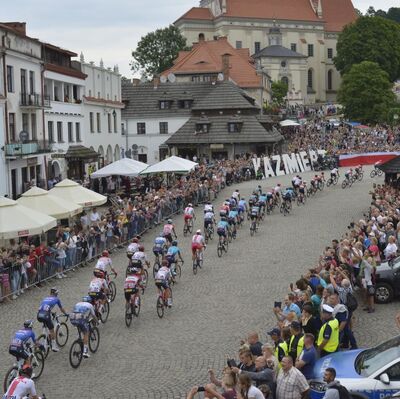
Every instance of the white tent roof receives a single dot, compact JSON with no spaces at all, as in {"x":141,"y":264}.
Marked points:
{"x":75,"y":193}
{"x":17,"y":220}
{"x":171,"y":164}
{"x":122,"y":167}
{"x":40,"y":200}
{"x":289,"y":122}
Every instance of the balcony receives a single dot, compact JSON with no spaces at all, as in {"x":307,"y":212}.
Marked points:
{"x":34,"y":101}
{"x":15,"y":150}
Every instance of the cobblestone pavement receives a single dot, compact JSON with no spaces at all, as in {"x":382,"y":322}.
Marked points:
{"x":212,"y":311}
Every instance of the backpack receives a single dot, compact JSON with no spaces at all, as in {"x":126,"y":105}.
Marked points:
{"x":343,"y":392}
{"x":351,"y":302}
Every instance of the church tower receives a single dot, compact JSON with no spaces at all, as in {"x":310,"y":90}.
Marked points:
{"x":217,"y":7}
{"x":275,"y":36}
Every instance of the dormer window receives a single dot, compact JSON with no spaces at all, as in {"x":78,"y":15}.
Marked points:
{"x":234,"y":127}
{"x":165,"y":104}
{"x":185,"y":104}
{"x":202,"y":127}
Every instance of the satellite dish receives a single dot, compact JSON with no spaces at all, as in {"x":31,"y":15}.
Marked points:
{"x":220,"y":77}
{"x":23,"y":136}
{"x":163,"y":79}
{"x":172,"y":78}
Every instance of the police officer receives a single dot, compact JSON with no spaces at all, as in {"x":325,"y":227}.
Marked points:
{"x":328,"y":339}
{"x":296,"y":342}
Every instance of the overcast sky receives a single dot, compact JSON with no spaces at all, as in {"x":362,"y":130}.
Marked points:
{"x":108,"y":30}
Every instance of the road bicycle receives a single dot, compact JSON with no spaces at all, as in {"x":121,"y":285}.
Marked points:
{"x":157,"y":263}
{"x":102,"y":310}
{"x":332,"y":180}
{"x":222,"y":246}
{"x":198,"y":261}
{"x":76,"y":351}
{"x":301,"y":199}
{"x":37,"y":362}
{"x":209,"y":233}
{"x":162,"y":300}
{"x":285,"y":208}
{"x":111,"y":286}
{"x":376,"y":172}
{"x":188,"y":227}
{"x":133,"y":308}
{"x":320,"y":185}
{"x":176,"y":270}
{"x":61,"y":331}
{"x":347,"y":182}
{"x":253,"y":227}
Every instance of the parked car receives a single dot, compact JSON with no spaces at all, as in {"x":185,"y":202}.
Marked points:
{"x":387,"y":281}
{"x":366,"y":373}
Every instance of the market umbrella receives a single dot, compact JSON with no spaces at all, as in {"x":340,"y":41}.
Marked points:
{"x":122,"y":167}
{"x":172,"y":164}
{"x":17,"y":220}
{"x":42,"y":201}
{"x":75,"y":193}
{"x":289,"y":122}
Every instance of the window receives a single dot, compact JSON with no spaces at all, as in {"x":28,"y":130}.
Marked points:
{"x":91,"y":122}
{"x":115,"y":121}
{"x":109,"y":123}
{"x":163,"y":127}
{"x":394,"y":372}
{"x":283,"y":64}
{"x":10,"y":79}
{"x":141,"y":128}
{"x":70,"y":133}
{"x":206,"y":78}
{"x":285,"y":80}
{"x":310,"y":50}
{"x":98,"y":122}
{"x":257,"y":47}
{"x":23,"y":81}
{"x":33,"y":127}
{"x":330,"y":53}
{"x":293,"y":47}
{"x":330,"y":79}
{"x":98,"y":94}
{"x":185,"y":104}
{"x":238,"y":44}
{"x":25,"y":122}
{"x":310,"y":79}
{"x":50,"y":129}
{"x":164,"y":104}
{"x":78,"y":132}
{"x":196,"y":79}
{"x":234,"y":127}
{"x":201,"y":37}
{"x":31,"y":82}
{"x":11,"y":126}
{"x":60,"y":132}
{"x":202,"y":127}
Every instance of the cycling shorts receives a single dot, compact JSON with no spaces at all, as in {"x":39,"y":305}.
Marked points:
{"x":254,"y":216}
{"x":45,"y":318}
{"x":301,"y":190}
{"x":241,"y":209}
{"x":162,"y":283}
{"x":207,"y":223}
{"x":187,"y":217}
{"x":170,"y":259}
{"x":18,"y":352}
{"x":196,"y":246}
{"x":97,"y":295}
{"x":81,"y":323}
{"x":232,"y":222}
{"x":221,"y":232}
{"x":168,"y":237}
{"x":157,"y":251}
{"x":128,"y":292}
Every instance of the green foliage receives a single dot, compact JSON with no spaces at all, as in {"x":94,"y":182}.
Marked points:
{"x":370,"y":38}
{"x":278,"y":92}
{"x":393,"y":13}
{"x":393,"y":116}
{"x":157,"y":50}
{"x":366,"y":93}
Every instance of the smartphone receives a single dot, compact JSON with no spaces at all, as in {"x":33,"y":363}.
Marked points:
{"x":277,"y":304}
{"x":201,"y":389}
{"x":231,"y":363}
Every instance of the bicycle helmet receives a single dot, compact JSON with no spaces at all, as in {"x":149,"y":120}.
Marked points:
{"x":198,"y":231}
{"x":174,"y":243}
{"x":165,"y":263}
{"x":141,"y":248}
{"x":54,"y":291}
{"x":27,"y":370}
{"x":169,"y":221}
{"x":98,"y":273}
{"x":129,"y":254}
{"x":87,"y":298}
{"x":132,"y":270}
{"x":105,"y":253}
{"x":28,"y":324}
{"x":135,"y":240}
{"x":190,"y":205}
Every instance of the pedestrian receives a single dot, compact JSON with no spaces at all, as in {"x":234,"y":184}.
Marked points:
{"x":308,"y":356}
{"x":290,"y":383}
{"x":328,"y":338}
{"x":247,"y":390}
{"x":334,"y":389}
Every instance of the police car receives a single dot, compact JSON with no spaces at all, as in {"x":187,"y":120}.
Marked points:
{"x":366,"y":373}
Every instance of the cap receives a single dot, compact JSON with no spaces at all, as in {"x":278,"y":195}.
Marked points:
{"x":327,"y":309}
{"x":295,"y":325}
{"x":274,"y":331}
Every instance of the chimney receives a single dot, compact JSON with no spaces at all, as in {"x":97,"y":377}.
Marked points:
{"x":156,"y":81}
{"x":19,"y":27}
{"x":225,"y":65}
{"x":135,"y":81}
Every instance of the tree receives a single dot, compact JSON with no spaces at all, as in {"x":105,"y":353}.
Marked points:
{"x":157,"y":50}
{"x":366,"y":93}
{"x":370,"y":39}
{"x":278,"y":91}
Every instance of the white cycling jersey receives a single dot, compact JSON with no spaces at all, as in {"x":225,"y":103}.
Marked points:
{"x":208,"y":207}
{"x":97,"y":284}
{"x":209,"y":215}
{"x":140,"y":256}
{"x":189,"y":211}
{"x":20,"y":388}
{"x":334,"y":171}
{"x":198,"y":239}
{"x":131,"y":282}
{"x":163,"y":273}
{"x":235,"y":195}
{"x":133,"y":247}
{"x":103,"y":263}
{"x":277,"y":189}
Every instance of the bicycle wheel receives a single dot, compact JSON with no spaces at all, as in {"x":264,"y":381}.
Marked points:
{"x":344,"y":184}
{"x":145,"y":278}
{"x":178,"y":270}
{"x":10,"y":375}
{"x":373,"y":173}
{"x":104,"y":313}
{"x":128,"y":315}
{"x":37,"y":364}
{"x":298,"y":200}
{"x":62,"y":334}
{"x":219,"y":250}
{"x":113,"y":290}
{"x":379,"y":172}
{"x":185,"y":230}
{"x":45,"y":342}
{"x":160,"y":307}
{"x":329,"y":182}
{"x":94,"y":339}
{"x":76,"y":353}
{"x":190,"y":226}
{"x":195,"y":267}
{"x":252,"y":228}
{"x":360,"y":176}
{"x":156,"y":267}
{"x":229,"y":236}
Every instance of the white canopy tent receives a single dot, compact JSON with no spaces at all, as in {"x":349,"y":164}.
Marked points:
{"x":122,"y":167}
{"x":42,"y":201}
{"x":17,"y":220}
{"x":289,"y":122}
{"x":172,"y":164}
{"x":75,"y":193}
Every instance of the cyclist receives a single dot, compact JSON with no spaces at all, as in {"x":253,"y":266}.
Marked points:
{"x":104,"y":262}
{"x":287,"y":198}
{"x":242,"y":207}
{"x":162,"y":280}
{"x":209,"y":218}
{"x":263,"y":201}
{"x":358,"y":170}
{"x":173,"y":252}
{"x":224,"y":209}
{"x":334,"y":173}
{"x":255,"y":212}
{"x":290,"y":191}
{"x":169,"y":228}
{"x":132,"y":284}
{"x":22,"y":386}
{"x":277,"y":190}
{"x":44,"y":315}
{"x":236,"y":195}
{"x":160,"y":245}
{"x":98,"y":287}
{"x":83,"y":313}
{"x":270,"y":198}
{"x":198,"y":243}
{"x":222,"y":228}
{"x":208,"y":207}
{"x":188,"y":214}
{"x":232,"y":220}
{"x":348,"y":174}
{"x":232,"y":202}
{"x":133,"y":246}
{"x":302,"y":189}
{"x":22,"y":340}
{"x":253,"y":199}
{"x":258,"y":190}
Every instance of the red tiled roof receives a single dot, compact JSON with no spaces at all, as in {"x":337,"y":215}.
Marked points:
{"x":337,"y":14}
{"x":198,"y":13}
{"x":206,"y":57}
{"x":65,"y":71}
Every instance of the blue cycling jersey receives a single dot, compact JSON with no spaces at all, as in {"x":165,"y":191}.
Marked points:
{"x":159,"y":241}
{"x":232,"y":214}
{"x":48,"y":304}
{"x":83,"y":308}
{"x":255,"y":209}
{"x":263,"y":198}
{"x":222,"y":224}
{"x":242,"y":203}
{"x":22,"y":337}
{"x":173,"y":251}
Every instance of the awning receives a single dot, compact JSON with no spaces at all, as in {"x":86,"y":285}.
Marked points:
{"x":172,"y":164}
{"x":81,"y":152}
{"x":289,"y":122}
{"x":122,"y":167}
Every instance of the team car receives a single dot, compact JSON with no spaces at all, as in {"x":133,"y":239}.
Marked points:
{"x":387,"y":281}
{"x":366,"y":373}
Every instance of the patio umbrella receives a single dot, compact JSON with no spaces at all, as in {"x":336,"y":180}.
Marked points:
{"x":122,"y":167}
{"x":172,"y":164}
{"x":75,"y":193}
{"x":42,"y":201}
{"x":289,"y":122}
{"x":17,"y":220}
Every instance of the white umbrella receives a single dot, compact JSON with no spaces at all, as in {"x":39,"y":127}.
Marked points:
{"x":17,"y":220}
{"x":122,"y":167}
{"x":289,"y":122}
{"x":170,"y":165}
{"x":42,"y":201}
{"x":74,"y":192}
